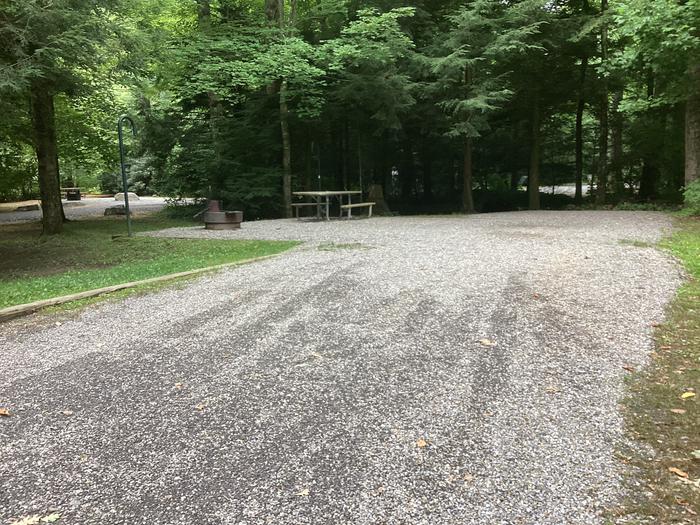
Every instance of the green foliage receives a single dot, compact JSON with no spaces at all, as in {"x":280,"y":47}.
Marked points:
{"x":364,"y":65}
{"x":183,"y":209}
{"x":483,"y":36}
{"x":661,"y":36}
{"x":645,"y":206}
{"x":691,"y":199}
{"x":370,"y":86}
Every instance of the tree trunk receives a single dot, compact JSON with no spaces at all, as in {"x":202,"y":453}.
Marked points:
{"x":43,"y":122}
{"x":533,"y":180}
{"x":308,"y":165}
{"x":274,"y":10}
{"x":580,"y":107}
{"x":216,"y":179}
{"x":650,"y":172}
{"x":616,"y":136}
{"x":692,"y":127}
{"x":602,"y":184}
{"x":344,"y":140}
{"x":427,"y":160}
{"x":203,"y":11}
{"x":286,"y":150}
{"x":408,"y":171}
{"x":467,"y":176}
{"x":359,"y":162}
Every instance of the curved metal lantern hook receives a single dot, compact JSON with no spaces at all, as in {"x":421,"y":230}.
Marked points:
{"x":120,"y":124}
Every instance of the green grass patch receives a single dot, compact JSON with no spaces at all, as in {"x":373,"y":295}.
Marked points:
{"x":95,"y":253}
{"x":656,"y":411}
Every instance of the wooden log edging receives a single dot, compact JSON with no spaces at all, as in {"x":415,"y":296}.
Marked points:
{"x":24,"y":309}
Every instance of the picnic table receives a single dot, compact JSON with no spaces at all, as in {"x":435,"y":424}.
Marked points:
{"x":322,"y":200}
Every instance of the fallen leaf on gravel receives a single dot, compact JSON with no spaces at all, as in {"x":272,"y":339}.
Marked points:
{"x":200,"y":406}
{"x":678,"y":472}
{"x":29,"y":520}
{"x":67,"y":412}
{"x":678,"y":411}
{"x":468,"y":478}
{"x":687,"y":395}
{"x":551,"y":389}
{"x":628,"y":368}
{"x":178,"y":386}
{"x":5,"y":412}
{"x":303,"y":492}
{"x":695,"y":454}
{"x":421,"y":443}
{"x":487,"y":342}
{"x":34,"y":519}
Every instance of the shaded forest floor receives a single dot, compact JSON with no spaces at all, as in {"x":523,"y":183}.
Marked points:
{"x":662,"y":409}
{"x":95,"y":253}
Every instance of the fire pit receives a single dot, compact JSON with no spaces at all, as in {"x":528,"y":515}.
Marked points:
{"x":215,"y":219}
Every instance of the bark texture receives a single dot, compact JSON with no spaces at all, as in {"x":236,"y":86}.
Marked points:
{"x":467,"y":178}
{"x":286,"y":150}
{"x":692,"y":127}
{"x":580,"y":107}
{"x":533,"y":180}
{"x":617,"y":122}
{"x":43,"y":122}
{"x":602,"y":182}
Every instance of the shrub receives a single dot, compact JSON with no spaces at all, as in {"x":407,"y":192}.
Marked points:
{"x":184,"y":209}
{"x":646,"y":206}
{"x":691,"y":199}
{"x":110,"y":182}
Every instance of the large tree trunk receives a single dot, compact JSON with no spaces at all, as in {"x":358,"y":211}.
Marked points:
{"x":203,"y":11}
{"x":359,"y":162}
{"x":43,"y":122}
{"x":650,"y":171}
{"x":580,"y":107}
{"x":274,"y":10}
{"x":616,"y":136}
{"x":216,"y":179}
{"x":427,"y":160}
{"x":692,"y":127}
{"x":602,"y":183}
{"x":286,"y":150}
{"x":345,"y":154}
{"x":533,"y":180}
{"x":467,"y":177}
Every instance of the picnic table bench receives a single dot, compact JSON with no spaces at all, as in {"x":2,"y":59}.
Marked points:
{"x":350,"y":207}
{"x":321,"y":200}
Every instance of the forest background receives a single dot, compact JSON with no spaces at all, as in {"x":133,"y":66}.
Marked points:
{"x":447,"y":106}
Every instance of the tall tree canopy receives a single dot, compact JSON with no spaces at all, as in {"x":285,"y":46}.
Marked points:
{"x":472,"y":106}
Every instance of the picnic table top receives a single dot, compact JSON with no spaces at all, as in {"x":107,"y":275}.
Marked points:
{"x":327,"y":193}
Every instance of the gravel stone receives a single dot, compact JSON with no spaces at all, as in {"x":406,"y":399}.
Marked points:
{"x":405,"y":370}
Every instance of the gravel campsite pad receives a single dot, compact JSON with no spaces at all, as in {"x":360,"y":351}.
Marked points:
{"x":423,"y":370}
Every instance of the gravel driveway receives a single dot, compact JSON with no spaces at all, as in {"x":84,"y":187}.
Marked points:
{"x":436,"y":370}
{"x":88,"y":207}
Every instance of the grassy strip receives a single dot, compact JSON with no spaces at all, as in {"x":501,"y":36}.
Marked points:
{"x":87,"y":256}
{"x":657,"y":412}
